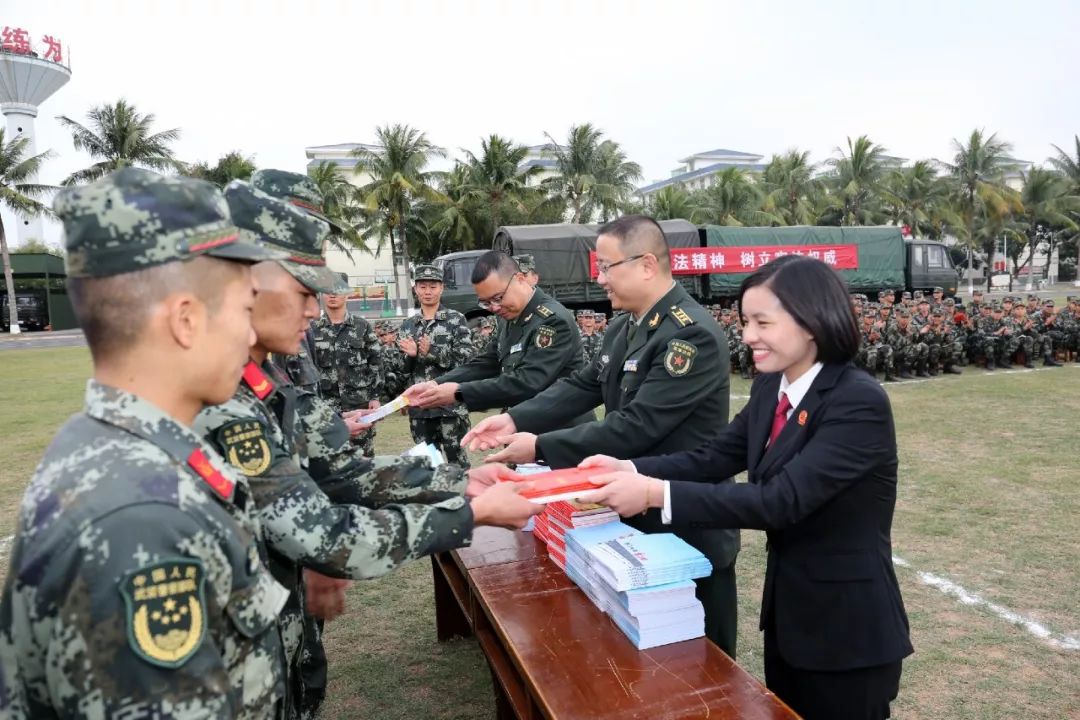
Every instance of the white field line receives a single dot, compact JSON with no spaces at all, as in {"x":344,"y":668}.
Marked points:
{"x":985,"y":373}
{"x":966,"y":597}
{"x":5,"y":543}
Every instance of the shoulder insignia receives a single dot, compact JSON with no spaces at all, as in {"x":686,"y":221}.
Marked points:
{"x":245,"y":446}
{"x":257,"y":381}
{"x":526,"y":319}
{"x":165,"y":610}
{"x":679,"y":358}
{"x":680,"y":316}
{"x":654,"y":321}
{"x":544,"y":311}
{"x":222,"y":485}
{"x":545,"y":335}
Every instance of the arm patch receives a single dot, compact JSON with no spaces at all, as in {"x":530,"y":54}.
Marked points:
{"x":545,"y":336}
{"x":245,"y":445}
{"x":679,"y":358}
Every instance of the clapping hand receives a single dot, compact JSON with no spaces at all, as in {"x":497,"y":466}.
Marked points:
{"x":408,"y":346}
{"x":425,"y":345}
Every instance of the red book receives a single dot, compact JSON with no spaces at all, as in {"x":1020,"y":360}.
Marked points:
{"x":559,"y":484}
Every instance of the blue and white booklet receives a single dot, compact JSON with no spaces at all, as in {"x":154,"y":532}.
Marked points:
{"x":626,"y":563}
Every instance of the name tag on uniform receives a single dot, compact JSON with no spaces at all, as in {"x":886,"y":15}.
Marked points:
{"x":516,"y":348}
{"x":630,"y":366}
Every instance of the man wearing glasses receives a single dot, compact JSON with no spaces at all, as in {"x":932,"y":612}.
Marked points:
{"x":536,"y":343}
{"x":662,"y":375}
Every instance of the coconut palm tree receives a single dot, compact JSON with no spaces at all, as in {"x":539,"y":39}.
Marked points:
{"x":733,"y":199}
{"x":398,"y":180}
{"x":119,"y":136}
{"x":21,"y":197}
{"x":616,"y":180}
{"x":855,"y":180}
{"x":670,"y":203}
{"x":918,"y":198}
{"x":1049,"y":207}
{"x":790,"y":188}
{"x":495,"y":178}
{"x":342,"y":205}
{"x":230,"y":166}
{"x":1068,"y":165}
{"x":576,"y":164}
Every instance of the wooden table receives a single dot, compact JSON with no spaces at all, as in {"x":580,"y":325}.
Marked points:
{"x":553,"y":654}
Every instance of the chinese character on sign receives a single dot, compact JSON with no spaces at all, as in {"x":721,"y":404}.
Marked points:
{"x":698,"y":261}
{"x":15,"y":40}
{"x":829,"y":257}
{"x":780,"y":253}
{"x":814,"y":254}
{"x":764,"y":257}
{"x":681,"y":263}
{"x":716,"y":260}
{"x":52,"y":49}
{"x":746,"y":259}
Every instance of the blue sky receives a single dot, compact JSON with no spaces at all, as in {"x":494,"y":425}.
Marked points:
{"x":664,"y":79}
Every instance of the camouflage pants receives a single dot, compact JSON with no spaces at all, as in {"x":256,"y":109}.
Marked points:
{"x":1000,"y":347}
{"x":879,"y":357}
{"x":742,"y":358}
{"x":945,"y":353}
{"x":310,"y":685}
{"x":1042,"y":345}
{"x":912,"y":355}
{"x":445,"y":433}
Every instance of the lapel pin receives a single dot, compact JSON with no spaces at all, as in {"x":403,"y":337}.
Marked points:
{"x":802,"y":418}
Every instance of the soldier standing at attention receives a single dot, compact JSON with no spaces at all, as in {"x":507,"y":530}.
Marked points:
{"x":591,"y":340}
{"x":136,"y":585}
{"x":536,"y":343}
{"x":433,"y":343}
{"x":350,"y":362}
{"x":393,"y":360}
{"x":663,"y":378}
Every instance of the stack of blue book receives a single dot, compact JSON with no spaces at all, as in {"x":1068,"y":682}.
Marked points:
{"x":643,"y":582}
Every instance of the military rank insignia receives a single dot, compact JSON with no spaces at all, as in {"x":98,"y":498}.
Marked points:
{"x":544,"y":311}
{"x":654,"y":321}
{"x":680,"y":316}
{"x":545,"y":336}
{"x":679,"y":358}
{"x":165,"y":611}
{"x":244,"y":444}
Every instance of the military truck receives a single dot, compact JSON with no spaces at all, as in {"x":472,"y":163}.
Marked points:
{"x":710,"y":261}
{"x":33,"y":314}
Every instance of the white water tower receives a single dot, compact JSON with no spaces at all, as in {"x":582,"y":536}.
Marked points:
{"x":30,"y":72}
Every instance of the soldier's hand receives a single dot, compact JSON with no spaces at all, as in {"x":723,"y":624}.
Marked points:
{"x":501,"y":506}
{"x":425,"y":345}
{"x":353,"y":422}
{"x":520,"y":448}
{"x":435,"y":395}
{"x":324,"y":596}
{"x":373,"y":405}
{"x":628,"y":493}
{"x":483,"y":477}
{"x":408,"y":346}
{"x":485,"y":436}
{"x":606,"y":462}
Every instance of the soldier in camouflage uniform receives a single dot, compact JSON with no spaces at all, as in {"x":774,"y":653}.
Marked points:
{"x":528,"y":267}
{"x":1044,"y":328}
{"x":738,"y":353}
{"x":434,"y":342}
{"x":591,"y":340}
{"x":1033,"y":342}
{"x":137,"y":586}
{"x":323,"y":506}
{"x":944,"y":349}
{"x":997,"y":336}
{"x":393,"y":360}
{"x":876,"y":354}
{"x":350,"y":362}
{"x":482,"y":334}
{"x":1069,"y":321}
{"x":909,"y":352}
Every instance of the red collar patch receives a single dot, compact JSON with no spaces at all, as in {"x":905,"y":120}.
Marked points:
{"x":257,"y":381}
{"x":222,"y":485}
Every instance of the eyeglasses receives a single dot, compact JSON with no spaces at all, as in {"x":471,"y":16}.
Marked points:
{"x":603,"y":268}
{"x":495,"y":299}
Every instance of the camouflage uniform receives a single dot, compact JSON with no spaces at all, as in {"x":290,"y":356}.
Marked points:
{"x":301,"y":368}
{"x":590,"y":342}
{"x":944,"y":349}
{"x":136,"y":585}
{"x":909,"y":352}
{"x":295,"y":451}
{"x":998,"y":342}
{"x":451,"y":346}
{"x":350,"y":361}
{"x":480,"y":340}
{"x":393,"y":360}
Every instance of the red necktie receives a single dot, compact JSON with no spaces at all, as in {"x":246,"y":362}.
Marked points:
{"x":779,"y":418}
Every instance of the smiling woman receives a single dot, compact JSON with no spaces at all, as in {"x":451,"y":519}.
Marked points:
{"x":818,"y":443}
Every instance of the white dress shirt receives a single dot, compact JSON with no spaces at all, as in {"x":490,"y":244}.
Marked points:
{"x":795,"y":391}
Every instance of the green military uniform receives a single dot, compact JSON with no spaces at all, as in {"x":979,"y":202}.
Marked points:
{"x":997,"y":336}
{"x":312,"y":488}
{"x":528,"y":354}
{"x":942,"y":345}
{"x":590,"y":342}
{"x":909,"y":352}
{"x":393,"y":361}
{"x":451,"y":346}
{"x":350,"y":363}
{"x":664,"y":383}
{"x":136,"y":585}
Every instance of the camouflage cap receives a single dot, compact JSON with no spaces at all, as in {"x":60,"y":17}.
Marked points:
{"x":903,"y":312}
{"x":526,"y":262}
{"x":1072,"y":298}
{"x":1049,"y":302}
{"x":948,"y":301}
{"x":906,"y":295}
{"x":296,"y":189}
{"x":917,"y":294}
{"x":1008,"y":299}
{"x":583,"y":313}
{"x":923,"y":301}
{"x":937,"y":312}
{"x":275,"y":223}
{"x":427,"y":272}
{"x":938,"y":290}
{"x":488,"y":321}
{"x":134,"y":219}
{"x":1032,"y":297}
{"x":996,"y":306}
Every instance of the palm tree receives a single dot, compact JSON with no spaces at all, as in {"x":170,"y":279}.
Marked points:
{"x":494,"y":178}
{"x":341,"y":204}
{"x":398,"y":179}
{"x":119,"y":136}
{"x":616,"y":180}
{"x":1048,"y":203}
{"x":19,"y":196}
{"x":855,"y":180}
{"x":230,"y":166}
{"x":456,"y":223}
{"x":670,"y":203}
{"x":918,"y":198}
{"x":576,"y":162}
{"x":1068,"y":165}
{"x":981,"y":197}
{"x":791,"y":188}
{"x":733,"y":199}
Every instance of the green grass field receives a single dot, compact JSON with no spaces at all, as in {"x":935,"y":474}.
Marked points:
{"x":988,"y":501}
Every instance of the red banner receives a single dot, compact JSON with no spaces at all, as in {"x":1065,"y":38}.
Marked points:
{"x":746,"y":259}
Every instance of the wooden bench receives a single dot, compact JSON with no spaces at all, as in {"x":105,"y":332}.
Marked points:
{"x":553,"y":654}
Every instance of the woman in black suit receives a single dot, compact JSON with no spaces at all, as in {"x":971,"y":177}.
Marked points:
{"x":818,"y":442}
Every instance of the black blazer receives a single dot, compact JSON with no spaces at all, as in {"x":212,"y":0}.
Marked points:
{"x":824,"y":493}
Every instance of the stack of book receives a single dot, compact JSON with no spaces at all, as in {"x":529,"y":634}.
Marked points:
{"x":562,"y":515}
{"x":643,"y":582}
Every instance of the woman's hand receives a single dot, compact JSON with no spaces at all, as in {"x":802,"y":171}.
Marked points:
{"x":628,"y":493}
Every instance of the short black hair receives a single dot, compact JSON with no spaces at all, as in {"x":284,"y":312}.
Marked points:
{"x":639,"y":234}
{"x":816,"y":296}
{"x":494,"y":261}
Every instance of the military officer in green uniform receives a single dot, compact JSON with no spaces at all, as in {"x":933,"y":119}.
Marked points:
{"x":136,"y":585}
{"x":434,"y":342}
{"x":536,"y":343}
{"x":663,"y":378}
